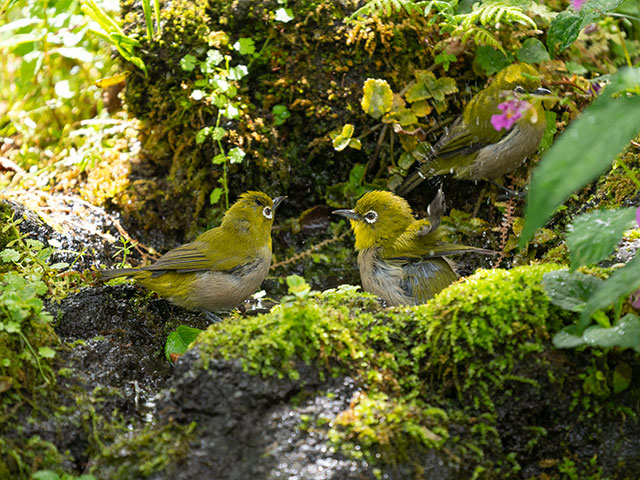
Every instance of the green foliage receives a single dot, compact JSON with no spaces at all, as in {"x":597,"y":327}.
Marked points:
{"x":532,"y":51}
{"x":491,"y":60}
{"x":179,"y":341}
{"x":347,"y":193}
{"x":573,"y":291}
{"x":387,"y":7}
{"x":51,"y":475}
{"x":377,"y":97}
{"x":25,"y":330}
{"x":607,"y":226}
{"x":566,"y":27}
{"x":124,"y":249}
{"x":112,"y":32}
{"x":343,"y":139}
{"x":219,"y":88}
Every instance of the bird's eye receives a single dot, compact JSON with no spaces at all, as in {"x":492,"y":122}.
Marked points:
{"x":267,"y":212}
{"x":371,"y":216}
{"x":519,"y":89}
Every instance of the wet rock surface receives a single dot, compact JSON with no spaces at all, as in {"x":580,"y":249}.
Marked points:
{"x":249,"y":428}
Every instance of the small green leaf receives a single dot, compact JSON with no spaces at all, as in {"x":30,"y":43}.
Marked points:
{"x":593,"y":236}
{"x":342,"y":140}
{"x":284,"y":15}
{"x":46,"y":352}
{"x":10,"y":255}
{"x":378,"y":97}
{"x":280,"y":114}
{"x":622,"y":376}
{"x":298,"y":286}
{"x":219,"y":159}
{"x":570,"y":290}
{"x":563,"y":31}
{"x":236,"y":155}
{"x":577,"y":68}
{"x":202,"y":134}
{"x":45,"y":475}
{"x":445,"y":59}
{"x":490,"y":60}
{"x":620,"y":284}
{"x":179,"y":341}
{"x":566,"y":27}
{"x":218,"y":133}
{"x":238,"y":72}
{"x":245,"y":46}
{"x":188,"y":63}
{"x":215,"y":195}
{"x":533,"y":51}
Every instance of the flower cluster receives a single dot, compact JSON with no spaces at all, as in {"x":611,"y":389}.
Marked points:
{"x":512,"y":111}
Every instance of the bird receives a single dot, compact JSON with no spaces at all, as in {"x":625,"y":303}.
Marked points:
{"x":401,"y":258}
{"x":222,"y":267}
{"x":475,"y":148}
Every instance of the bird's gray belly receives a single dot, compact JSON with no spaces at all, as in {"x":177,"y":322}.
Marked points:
{"x":382,"y":279}
{"x":214,"y":290}
{"x":498,"y":159}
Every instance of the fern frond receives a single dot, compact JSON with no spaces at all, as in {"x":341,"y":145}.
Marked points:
{"x":481,"y":36}
{"x":493,"y":13}
{"x":387,"y":7}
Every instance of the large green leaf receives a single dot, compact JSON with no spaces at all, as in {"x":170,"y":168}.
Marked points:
{"x":566,"y":27}
{"x":584,"y":151}
{"x":593,"y":236}
{"x":570,"y":290}
{"x":621,"y":283}
{"x":625,"y":333}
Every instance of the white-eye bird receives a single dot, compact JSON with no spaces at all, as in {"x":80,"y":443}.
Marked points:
{"x":222,"y":267}
{"x":472,"y":148}
{"x":401,"y":258}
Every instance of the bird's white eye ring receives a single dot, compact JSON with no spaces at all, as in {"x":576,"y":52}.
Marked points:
{"x":267,"y":212}
{"x":371,"y":216}
{"x":519,"y":89}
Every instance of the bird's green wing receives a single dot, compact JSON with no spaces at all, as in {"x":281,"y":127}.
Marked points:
{"x":198,"y":256}
{"x":421,"y":241}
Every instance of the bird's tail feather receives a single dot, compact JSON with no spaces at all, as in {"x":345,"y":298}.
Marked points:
{"x":117,"y":272}
{"x":452,"y":249}
{"x":410,"y":182}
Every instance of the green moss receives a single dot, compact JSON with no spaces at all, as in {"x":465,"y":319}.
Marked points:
{"x":149,"y":451}
{"x":441,"y":377}
{"x":18,"y":458}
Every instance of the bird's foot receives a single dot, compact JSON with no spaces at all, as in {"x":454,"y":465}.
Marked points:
{"x":507,"y":193}
{"x":212,"y":317}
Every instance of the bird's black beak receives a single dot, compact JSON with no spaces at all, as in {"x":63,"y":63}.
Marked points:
{"x":277,"y":201}
{"x":348,"y":213}
{"x":540,"y":91}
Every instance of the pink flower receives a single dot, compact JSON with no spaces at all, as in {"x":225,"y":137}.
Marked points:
{"x":577,"y":4}
{"x":512,"y":112}
{"x":635,"y":299}
{"x":638,"y":216}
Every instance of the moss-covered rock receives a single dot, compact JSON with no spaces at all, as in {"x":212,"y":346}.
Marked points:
{"x":465,"y":385}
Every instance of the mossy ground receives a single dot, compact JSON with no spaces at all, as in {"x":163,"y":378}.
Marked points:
{"x":471,"y":374}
